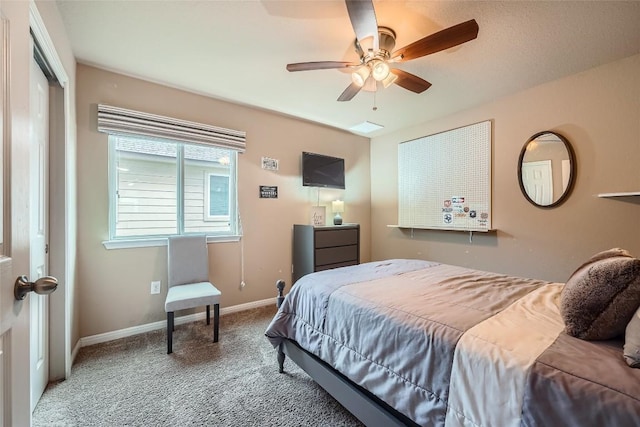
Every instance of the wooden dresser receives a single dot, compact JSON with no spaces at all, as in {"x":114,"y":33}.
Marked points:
{"x":321,"y":248}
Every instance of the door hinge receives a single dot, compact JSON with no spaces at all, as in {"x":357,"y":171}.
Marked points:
{"x":46,"y":248}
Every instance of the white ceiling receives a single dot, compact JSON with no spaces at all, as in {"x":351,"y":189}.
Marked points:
{"x":238,"y":50}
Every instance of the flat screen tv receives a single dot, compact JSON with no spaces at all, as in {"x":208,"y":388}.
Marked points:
{"x":322,"y":171}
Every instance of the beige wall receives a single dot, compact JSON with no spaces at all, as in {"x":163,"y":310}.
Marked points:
{"x":598,"y":111}
{"x":114,"y":284}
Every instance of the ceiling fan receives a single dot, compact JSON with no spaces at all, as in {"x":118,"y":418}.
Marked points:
{"x":375,"y":47}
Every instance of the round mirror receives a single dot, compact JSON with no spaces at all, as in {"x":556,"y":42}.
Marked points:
{"x":546,"y":169}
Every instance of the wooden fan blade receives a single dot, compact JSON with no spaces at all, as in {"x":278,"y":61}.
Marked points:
{"x":320,"y":65}
{"x":444,"y":39}
{"x":363,"y":19}
{"x":348,"y":94}
{"x":410,"y":81}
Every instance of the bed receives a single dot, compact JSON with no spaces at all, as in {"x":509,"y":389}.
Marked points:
{"x":412,"y":342}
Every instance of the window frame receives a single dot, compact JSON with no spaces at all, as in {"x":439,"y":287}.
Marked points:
{"x":117,"y":242}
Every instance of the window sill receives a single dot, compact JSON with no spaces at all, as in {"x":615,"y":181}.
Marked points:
{"x":161,"y":241}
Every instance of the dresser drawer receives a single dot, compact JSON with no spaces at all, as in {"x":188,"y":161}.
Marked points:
{"x":340,"y":264}
{"x":330,"y":238}
{"x":336,"y":255}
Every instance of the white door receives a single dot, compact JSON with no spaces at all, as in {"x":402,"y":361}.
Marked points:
{"x":7,"y":318}
{"x":14,"y":259}
{"x":5,"y":263}
{"x":39,"y":153}
{"x":538,"y":181}
{"x":6,"y":323}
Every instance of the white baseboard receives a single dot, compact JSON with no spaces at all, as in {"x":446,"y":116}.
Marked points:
{"x":75,"y":351}
{"x":134,"y":330}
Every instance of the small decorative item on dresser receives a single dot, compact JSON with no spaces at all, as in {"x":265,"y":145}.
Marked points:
{"x":338,"y":207}
{"x":317,"y":215}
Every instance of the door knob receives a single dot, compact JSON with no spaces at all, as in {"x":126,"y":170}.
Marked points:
{"x":43,"y":286}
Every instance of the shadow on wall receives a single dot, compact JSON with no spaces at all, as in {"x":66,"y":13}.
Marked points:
{"x":628,"y":199}
{"x":485,"y":239}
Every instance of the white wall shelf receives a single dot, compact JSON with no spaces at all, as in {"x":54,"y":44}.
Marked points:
{"x":470,"y":231}
{"x":408,"y":227}
{"x":621,"y":194}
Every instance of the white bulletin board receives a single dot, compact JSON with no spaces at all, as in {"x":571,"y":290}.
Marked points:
{"x":445,"y":180}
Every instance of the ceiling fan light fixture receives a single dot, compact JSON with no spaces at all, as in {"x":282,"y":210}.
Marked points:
{"x":388,"y":81}
{"x":375,"y":46}
{"x":360,"y":76}
{"x":380,"y":70}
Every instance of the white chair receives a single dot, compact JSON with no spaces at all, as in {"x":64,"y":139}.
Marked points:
{"x":188,"y":280}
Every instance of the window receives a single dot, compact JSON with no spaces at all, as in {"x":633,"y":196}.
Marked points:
{"x":159,"y":188}
{"x":217,"y":193}
{"x":169,"y":176}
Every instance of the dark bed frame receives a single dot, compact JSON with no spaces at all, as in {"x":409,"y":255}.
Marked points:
{"x":368,"y":408}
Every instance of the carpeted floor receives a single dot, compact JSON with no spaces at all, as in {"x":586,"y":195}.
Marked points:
{"x":235,"y":382}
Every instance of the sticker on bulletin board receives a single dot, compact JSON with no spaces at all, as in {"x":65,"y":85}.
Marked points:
{"x":268,"y":192}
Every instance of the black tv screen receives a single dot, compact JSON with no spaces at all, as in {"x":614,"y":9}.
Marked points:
{"x":322,"y":171}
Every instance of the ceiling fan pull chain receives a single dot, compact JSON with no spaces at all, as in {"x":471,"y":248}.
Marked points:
{"x":374,"y":100}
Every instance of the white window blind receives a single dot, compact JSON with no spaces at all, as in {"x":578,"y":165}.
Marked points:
{"x":121,"y":121}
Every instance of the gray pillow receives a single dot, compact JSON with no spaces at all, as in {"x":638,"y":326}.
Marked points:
{"x":600,"y":297}
{"x":632,"y":341}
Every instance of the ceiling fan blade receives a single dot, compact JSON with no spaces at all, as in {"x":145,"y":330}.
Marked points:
{"x":348,"y":94}
{"x":410,"y":81}
{"x":444,"y":39}
{"x":320,"y":65}
{"x":363,"y":19}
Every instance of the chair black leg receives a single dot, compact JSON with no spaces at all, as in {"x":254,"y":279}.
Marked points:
{"x":169,"y":332}
{"x":208,"y":314}
{"x":216,"y":321}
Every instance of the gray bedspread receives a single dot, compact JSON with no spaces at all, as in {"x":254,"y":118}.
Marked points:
{"x":450,"y":346}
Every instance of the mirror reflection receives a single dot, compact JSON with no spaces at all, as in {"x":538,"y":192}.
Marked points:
{"x":546,"y":169}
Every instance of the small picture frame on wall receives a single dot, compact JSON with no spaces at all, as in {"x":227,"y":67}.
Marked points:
{"x":318,"y":215}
